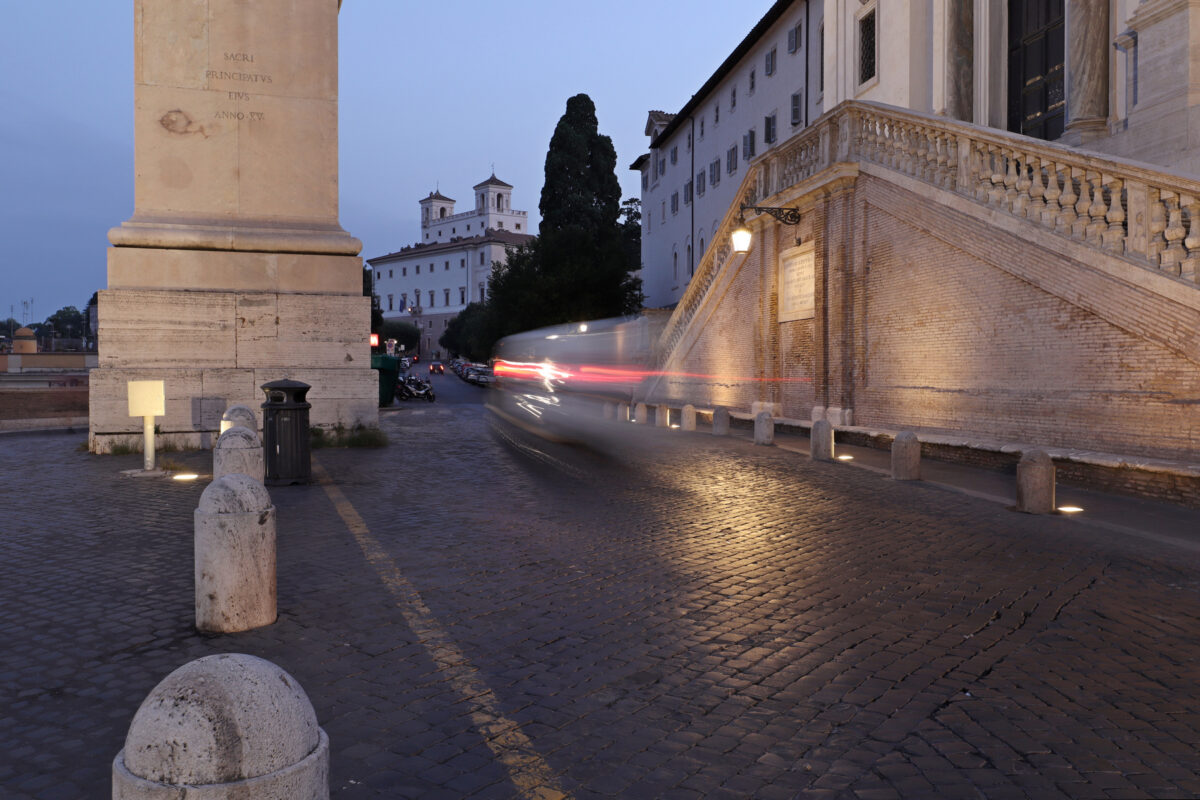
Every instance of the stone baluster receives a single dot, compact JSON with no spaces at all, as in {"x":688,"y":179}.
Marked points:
{"x":1050,"y":206}
{"x":1065,"y":223}
{"x":1158,"y":223}
{"x":1020,"y":203}
{"x":1037,"y":190}
{"x":921,"y":167}
{"x":1114,"y":235}
{"x":1082,"y":206}
{"x":954,"y":163}
{"x":996,"y":196}
{"x":1098,"y":210}
{"x":903,"y":150}
{"x":981,"y":172}
{"x":1174,"y":232}
{"x":1010,"y":179}
{"x":1191,"y":264}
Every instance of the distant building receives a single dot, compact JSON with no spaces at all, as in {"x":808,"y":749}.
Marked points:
{"x":432,"y":281}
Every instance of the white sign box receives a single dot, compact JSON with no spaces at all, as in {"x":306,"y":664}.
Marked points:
{"x":147,"y":399}
{"x":797,"y":272}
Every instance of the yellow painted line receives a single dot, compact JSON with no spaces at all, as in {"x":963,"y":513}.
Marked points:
{"x":528,"y":771}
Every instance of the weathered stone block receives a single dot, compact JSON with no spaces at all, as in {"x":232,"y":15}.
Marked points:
{"x":906,"y":457}
{"x":764,"y":428}
{"x":687,"y":417}
{"x":1035,"y":482}
{"x":234,"y":556}
{"x":821,"y":443}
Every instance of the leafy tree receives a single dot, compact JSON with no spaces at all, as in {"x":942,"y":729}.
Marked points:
{"x":471,"y":333}
{"x":376,"y":308}
{"x":68,"y":322}
{"x":405,"y":333}
{"x":631,"y":230}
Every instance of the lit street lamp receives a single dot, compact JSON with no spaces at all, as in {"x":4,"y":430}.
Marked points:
{"x":741,"y":235}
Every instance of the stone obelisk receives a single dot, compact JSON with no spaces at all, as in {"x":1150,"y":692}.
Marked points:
{"x":233,"y":270}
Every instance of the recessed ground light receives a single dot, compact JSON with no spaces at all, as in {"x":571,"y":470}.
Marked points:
{"x":674,"y":426}
{"x":184,"y":476}
{"x":1070,"y":509}
{"x":845,"y":458}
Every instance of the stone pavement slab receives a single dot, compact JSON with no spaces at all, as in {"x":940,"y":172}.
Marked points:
{"x":685,"y":616}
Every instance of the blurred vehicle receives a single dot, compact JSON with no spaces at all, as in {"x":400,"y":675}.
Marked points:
{"x":554,"y":382}
{"x":436,"y":366}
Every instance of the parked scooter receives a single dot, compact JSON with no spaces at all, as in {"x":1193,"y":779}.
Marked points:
{"x":410,"y":387}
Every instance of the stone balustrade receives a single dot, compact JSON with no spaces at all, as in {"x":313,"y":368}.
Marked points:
{"x":1119,"y":207}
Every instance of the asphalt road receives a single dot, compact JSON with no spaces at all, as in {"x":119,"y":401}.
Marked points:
{"x":477,"y":614}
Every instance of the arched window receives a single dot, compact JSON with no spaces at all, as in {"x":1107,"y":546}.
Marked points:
{"x":691,"y":266}
{"x":675,"y":265}
{"x":442,"y":213}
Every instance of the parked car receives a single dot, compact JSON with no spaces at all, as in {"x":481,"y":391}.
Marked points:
{"x":436,"y":366}
{"x":480,"y":376}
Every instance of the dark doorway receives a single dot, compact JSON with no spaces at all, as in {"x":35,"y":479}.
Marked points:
{"x":1037,"y":98}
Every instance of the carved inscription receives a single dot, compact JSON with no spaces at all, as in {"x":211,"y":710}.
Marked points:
{"x":235,"y":60}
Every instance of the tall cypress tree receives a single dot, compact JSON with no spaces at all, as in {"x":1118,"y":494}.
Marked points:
{"x":578,"y":268}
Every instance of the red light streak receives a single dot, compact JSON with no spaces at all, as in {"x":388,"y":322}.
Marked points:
{"x":593,"y":374}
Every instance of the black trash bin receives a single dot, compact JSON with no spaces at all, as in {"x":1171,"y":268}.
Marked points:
{"x":285,"y":433}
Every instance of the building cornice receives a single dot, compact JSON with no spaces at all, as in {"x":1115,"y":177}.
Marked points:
{"x":770,"y":18}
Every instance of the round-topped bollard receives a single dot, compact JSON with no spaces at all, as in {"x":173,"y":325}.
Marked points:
{"x":239,"y":415}
{"x":224,"y":727}
{"x":234,"y":556}
{"x":239,"y":450}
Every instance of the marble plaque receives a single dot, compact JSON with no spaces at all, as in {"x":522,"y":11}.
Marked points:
{"x":797,"y":270}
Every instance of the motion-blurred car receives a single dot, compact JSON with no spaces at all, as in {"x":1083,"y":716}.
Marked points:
{"x":436,"y":366}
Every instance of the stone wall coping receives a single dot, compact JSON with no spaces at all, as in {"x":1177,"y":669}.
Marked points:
{"x":1072,"y":455}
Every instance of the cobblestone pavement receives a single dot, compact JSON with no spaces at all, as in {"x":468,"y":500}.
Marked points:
{"x":684,"y":617}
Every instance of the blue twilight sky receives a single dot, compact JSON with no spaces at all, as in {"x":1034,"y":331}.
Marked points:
{"x":432,"y":95}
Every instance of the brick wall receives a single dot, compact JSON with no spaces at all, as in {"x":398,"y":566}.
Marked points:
{"x":930,"y":318}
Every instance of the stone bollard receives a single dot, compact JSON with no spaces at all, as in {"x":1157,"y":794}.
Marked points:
{"x":234,"y":556}
{"x":641,"y":414}
{"x":821,"y":443}
{"x":687,"y":418}
{"x":224,"y":727}
{"x":906,"y":457}
{"x":239,"y":450}
{"x":610,"y":411}
{"x":1035,"y":483}
{"x":239,"y":415}
{"x":720,"y":423}
{"x":662,"y":416}
{"x":764,"y":428}
{"x":623,"y":412}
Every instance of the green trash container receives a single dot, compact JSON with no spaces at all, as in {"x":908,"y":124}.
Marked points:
{"x":389,"y":372}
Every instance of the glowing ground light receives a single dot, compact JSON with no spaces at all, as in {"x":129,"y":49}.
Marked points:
{"x":1069,"y":509}
{"x":845,"y":458}
{"x":184,"y":476}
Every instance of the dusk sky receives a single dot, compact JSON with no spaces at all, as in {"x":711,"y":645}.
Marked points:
{"x":432,"y":96}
